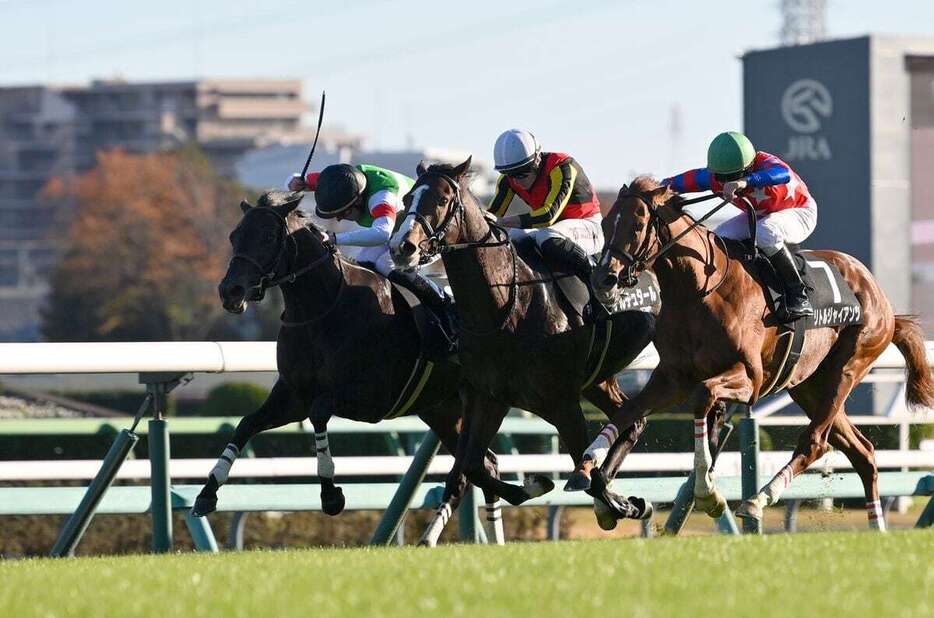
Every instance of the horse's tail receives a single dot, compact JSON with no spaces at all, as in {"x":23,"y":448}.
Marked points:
{"x":909,"y":339}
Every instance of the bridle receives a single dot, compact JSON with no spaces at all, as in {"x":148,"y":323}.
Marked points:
{"x":434,"y":244}
{"x":269,"y":278}
{"x":640,"y":260}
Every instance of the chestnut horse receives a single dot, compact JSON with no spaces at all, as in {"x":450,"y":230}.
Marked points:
{"x":717,"y":341}
{"x":518,"y":345}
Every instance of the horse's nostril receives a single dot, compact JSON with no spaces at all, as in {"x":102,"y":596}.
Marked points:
{"x":609,"y":281}
{"x":407,"y":248}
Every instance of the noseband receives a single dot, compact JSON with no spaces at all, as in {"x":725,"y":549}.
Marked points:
{"x":640,"y":261}
{"x":434,"y":244}
{"x":269,"y":279}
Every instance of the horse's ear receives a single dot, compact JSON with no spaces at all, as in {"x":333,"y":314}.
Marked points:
{"x":459,"y":171}
{"x":287,"y":207}
{"x":622,"y":191}
{"x":421,"y":168}
{"x":245,"y":206}
{"x":659,"y":191}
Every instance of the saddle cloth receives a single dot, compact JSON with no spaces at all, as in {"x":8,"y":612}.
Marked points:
{"x":834,"y":302}
{"x":576,"y":292}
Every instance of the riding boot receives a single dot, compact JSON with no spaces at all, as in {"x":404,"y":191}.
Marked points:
{"x":564,"y":251}
{"x":797,"y":304}
{"x":433,"y":297}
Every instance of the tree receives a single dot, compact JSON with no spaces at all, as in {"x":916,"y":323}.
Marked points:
{"x":144,"y":250}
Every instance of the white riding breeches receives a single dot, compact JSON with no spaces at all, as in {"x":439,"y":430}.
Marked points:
{"x":379,"y":256}
{"x":792,"y":225}
{"x":585,"y":233}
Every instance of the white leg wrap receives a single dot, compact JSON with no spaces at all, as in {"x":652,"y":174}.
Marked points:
{"x":323,"y":453}
{"x":493,"y":524}
{"x":703,"y":479}
{"x":222,"y":468}
{"x":876,"y":517}
{"x":436,"y":526}
{"x":600,"y":447}
{"x":777,"y":485}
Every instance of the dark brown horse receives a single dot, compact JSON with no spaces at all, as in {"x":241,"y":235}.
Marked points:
{"x":718,"y":341}
{"x":348,"y":345}
{"x":519,"y":346}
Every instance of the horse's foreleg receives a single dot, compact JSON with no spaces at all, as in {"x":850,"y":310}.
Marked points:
{"x":732,"y":385}
{"x":617,"y":437}
{"x":280,"y":407}
{"x":485,"y":417}
{"x":455,"y":485}
{"x":332,"y":498}
{"x":493,"y":522}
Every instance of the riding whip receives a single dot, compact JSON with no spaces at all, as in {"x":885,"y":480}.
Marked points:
{"x":317,"y":133}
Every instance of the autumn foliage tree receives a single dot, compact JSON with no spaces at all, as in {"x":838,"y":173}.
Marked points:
{"x":144,"y":250}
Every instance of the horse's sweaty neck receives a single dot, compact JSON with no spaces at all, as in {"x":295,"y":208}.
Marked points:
{"x":693,"y":265}
{"x":481,"y":278}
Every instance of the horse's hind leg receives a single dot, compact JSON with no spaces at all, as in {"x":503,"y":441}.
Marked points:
{"x":845,"y":437}
{"x":821,"y":396}
{"x":281,"y":407}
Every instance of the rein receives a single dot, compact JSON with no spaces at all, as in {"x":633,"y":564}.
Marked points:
{"x":639,"y":261}
{"x":270,"y":280}
{"x":435,"y":245}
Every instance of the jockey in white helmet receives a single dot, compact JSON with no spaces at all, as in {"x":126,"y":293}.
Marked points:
{"x":565,"y":219}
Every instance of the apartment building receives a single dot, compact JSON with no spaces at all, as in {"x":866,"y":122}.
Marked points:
{"x":47,"y":131}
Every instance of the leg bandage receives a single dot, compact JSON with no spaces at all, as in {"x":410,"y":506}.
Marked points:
{"x":222,"y":468}
{"x":703,"y":461}
{"x":493,"y":524}
{"x":875,"y":514}
{"x":436,"y":525}
{"x":600,"y":447}
{"x":777,"y":485}
{"x":323,"y":453}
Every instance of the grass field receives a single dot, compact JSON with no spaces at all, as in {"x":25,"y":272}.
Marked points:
{"x":825,"y":574}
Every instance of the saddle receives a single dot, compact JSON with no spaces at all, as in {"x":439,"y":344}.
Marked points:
{"x":833,"y":300}
{"x":576,"y":294}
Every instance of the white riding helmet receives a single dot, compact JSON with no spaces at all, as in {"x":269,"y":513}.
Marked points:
{"x":514,"y":149}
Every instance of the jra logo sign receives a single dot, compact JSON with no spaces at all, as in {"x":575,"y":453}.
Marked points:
{"x":806,"y":103}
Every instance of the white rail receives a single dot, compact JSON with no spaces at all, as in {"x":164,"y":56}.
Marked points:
{"x":728,"y":464}
{"x":214,"y":357}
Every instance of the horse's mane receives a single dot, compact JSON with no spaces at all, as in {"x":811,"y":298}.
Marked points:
{"x":646,"y":183}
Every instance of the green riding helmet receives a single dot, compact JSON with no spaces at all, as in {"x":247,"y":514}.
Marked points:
{"x":729,"y":153}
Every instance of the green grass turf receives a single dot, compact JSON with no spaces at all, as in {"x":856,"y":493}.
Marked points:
{"x":825,"y":574}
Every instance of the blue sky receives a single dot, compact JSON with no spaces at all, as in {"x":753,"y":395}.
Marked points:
{"x":596,"y":79}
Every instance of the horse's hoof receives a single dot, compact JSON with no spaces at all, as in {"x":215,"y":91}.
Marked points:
{"x":578,"y":481}
{"x":750,"y":509}
{"x":333,"y":502}
{"x":605,"y":517}
{"x":643,"y":508}
{"x":714,"y":504}
{"x":537,"y":485}
{"x":204,"y":504}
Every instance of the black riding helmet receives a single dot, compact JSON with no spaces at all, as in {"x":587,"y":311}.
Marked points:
{"x":339,"y":187}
